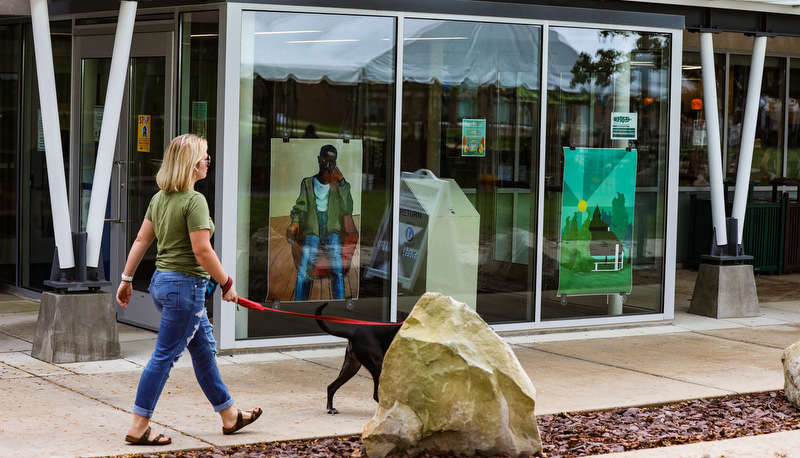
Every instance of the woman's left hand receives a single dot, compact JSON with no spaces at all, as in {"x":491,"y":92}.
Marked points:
{"x":231,"y":295}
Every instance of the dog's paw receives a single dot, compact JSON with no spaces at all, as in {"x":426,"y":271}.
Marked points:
{"x":332,"y":411}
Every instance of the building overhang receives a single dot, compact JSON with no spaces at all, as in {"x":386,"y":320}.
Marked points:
{"x":15,"y":8}
{"x":762,"y":17}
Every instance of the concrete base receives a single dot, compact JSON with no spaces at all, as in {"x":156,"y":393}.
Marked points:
{"x":76,"y":328}
{"x":725,"y":291}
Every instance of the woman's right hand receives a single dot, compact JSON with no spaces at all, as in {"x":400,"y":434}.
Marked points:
{"x":124,"y":293}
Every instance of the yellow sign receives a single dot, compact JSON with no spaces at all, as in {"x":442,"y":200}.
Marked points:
{"x":144,"y":134}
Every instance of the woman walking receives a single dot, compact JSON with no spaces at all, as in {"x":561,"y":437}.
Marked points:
{"x":178,"y":217}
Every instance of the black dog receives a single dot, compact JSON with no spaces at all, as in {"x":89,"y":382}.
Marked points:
{"x":366,"y":345}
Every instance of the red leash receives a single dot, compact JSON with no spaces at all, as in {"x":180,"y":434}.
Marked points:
{"x":256,"y":306}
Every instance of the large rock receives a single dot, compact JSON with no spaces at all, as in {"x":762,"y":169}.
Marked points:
{"x":791,"y":373}
{"x":450,"y":383}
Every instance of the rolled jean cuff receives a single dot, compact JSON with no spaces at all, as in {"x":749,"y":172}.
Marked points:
{"x":225,"y":405}
{"x":142,"y":412}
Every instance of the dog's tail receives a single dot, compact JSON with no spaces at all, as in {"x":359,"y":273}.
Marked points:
{"x":324,"y":326}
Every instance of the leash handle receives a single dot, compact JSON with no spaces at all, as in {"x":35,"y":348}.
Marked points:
{"x":335,"y":319}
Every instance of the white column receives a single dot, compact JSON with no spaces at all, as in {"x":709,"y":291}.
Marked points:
{"x":622,"y":104}
{"x":713,"y":133}
{"x":749,"y":132}
{"x":52,"y":136}
{"x":615,"y":300}
{"x":108,"y":131}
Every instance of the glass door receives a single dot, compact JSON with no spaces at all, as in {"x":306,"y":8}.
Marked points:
{"x":144,"y":142}
{"x":143,"y":132}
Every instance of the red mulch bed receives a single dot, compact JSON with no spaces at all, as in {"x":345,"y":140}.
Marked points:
{"x":586,"y":433}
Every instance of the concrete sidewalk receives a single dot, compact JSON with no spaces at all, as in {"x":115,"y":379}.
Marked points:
{"x":84,"y":409}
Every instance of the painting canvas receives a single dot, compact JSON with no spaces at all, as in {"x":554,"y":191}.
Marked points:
{"x":314,"y":220}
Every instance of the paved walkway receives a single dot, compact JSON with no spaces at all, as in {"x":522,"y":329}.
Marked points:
{"x":83,"y":409}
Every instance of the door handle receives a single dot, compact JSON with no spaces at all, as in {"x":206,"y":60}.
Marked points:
{"x":118,"y":219}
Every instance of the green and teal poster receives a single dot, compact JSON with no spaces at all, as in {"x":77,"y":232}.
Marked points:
{"x":473,"y":138}
{"x":597,"y":221}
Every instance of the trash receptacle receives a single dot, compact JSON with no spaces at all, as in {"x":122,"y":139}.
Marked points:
{"x":791,"y":243}
{"x":763,"y":237}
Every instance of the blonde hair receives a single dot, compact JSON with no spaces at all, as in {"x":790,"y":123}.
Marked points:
{"x":180,"y":159}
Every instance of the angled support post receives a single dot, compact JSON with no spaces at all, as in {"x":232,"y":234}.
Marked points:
{"x":43,"y":51}
{"x":710,"y":105}
{"x":80,"y":326}
{"x":748,"y":134}
{"x":108,"y":131}
{"x":725,"y":286}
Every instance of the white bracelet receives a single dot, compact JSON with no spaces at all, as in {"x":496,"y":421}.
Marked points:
{"x":126,"y":278}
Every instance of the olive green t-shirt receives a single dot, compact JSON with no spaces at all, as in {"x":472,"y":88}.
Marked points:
{"x":174,"y":215}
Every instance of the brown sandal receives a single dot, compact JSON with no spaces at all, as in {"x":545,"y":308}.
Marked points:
{"x":241,"y":422}
{"x":145,"y":439}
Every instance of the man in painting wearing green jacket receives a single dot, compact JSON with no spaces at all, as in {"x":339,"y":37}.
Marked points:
{"x":317,"y":220}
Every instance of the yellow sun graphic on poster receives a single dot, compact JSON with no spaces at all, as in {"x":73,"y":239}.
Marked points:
{"x":582,"y":206}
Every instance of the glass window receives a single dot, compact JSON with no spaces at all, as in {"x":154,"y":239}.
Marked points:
{"x":694,"y":138}
{"x":197,"y":106}
{"x":94,"y":85}
{"x":604,"y":206}
{"x":197,"y":102}
{"x":37,"y":239}
{"x":769,"y":139}
{"x":793,"y":113}
{"x":9,"y":124}
{"x":315,"y":166}
{"x":469,"y":148}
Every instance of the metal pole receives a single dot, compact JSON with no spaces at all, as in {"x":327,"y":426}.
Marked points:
{"x":397,"y":171}
{"x":108,"y":131}
{"x":748,"y":132}
{"x":52,"y":136}
{"x":713,"y":133}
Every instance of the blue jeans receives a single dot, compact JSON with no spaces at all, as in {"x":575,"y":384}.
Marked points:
{"x":309,"y":260}
{"x":184,"y":324}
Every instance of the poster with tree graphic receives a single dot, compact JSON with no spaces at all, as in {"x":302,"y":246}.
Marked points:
{"x":597,"y":221}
